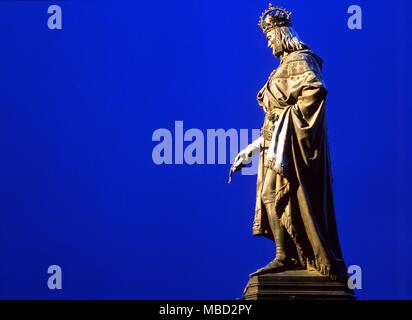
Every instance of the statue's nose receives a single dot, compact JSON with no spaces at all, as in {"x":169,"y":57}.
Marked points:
{"x":269,"y":44}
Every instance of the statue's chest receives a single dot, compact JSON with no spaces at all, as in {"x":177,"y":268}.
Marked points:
{"x":272,"y":94}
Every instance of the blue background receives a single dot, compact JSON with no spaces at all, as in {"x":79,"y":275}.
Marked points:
{"x":78,"y":107}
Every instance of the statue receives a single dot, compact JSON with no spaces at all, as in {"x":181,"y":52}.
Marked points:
{"x":294,"y":203}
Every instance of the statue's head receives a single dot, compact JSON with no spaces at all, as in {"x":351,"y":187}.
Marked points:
{"x":276,"y":24}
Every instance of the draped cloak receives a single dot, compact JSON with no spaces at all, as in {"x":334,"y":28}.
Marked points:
{"x":296,"y":148}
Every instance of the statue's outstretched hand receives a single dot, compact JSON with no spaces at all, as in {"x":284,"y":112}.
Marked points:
{"x":244,"y":157}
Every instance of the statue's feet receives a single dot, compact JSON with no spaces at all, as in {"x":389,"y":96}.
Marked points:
{"x":274,"y":266}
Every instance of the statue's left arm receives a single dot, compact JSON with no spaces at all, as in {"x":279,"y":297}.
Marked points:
{"x":308,"y":94}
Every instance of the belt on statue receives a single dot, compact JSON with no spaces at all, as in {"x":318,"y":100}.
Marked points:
{"x":266,"y":134}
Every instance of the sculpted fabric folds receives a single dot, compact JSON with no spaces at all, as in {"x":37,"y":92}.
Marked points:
{"x":296,"y":148}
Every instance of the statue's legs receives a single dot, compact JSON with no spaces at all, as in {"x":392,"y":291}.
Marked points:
{"x":281,"y":261}
{"x":278,"y":231}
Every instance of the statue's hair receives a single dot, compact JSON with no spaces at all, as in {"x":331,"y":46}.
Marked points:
{"x":290,"y":40}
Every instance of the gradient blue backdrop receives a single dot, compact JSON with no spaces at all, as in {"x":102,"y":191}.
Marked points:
{"x":78,"y":108}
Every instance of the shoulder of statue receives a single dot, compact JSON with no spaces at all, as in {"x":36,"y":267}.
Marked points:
{"x":279,"y":72}
{"x":302,"y":61}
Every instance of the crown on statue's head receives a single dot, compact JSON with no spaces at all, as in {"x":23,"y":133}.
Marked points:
{"x":274,"y":17}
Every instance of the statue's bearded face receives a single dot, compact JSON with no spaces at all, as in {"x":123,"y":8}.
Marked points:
{"x":271,"y":37}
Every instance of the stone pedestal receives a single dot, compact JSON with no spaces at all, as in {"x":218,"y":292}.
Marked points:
{"x":295,"y":285}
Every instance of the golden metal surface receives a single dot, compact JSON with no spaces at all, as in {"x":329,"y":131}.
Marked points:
{"x":294,"y":200}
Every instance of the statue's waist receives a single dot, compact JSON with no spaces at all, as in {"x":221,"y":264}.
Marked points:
{"x":270,"y":119}
{"x":266,"y":133}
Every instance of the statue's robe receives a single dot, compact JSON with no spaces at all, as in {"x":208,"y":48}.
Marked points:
{"x":296,"y":148}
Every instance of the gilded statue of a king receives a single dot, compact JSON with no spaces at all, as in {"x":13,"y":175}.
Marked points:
{"x":294,"y":202}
